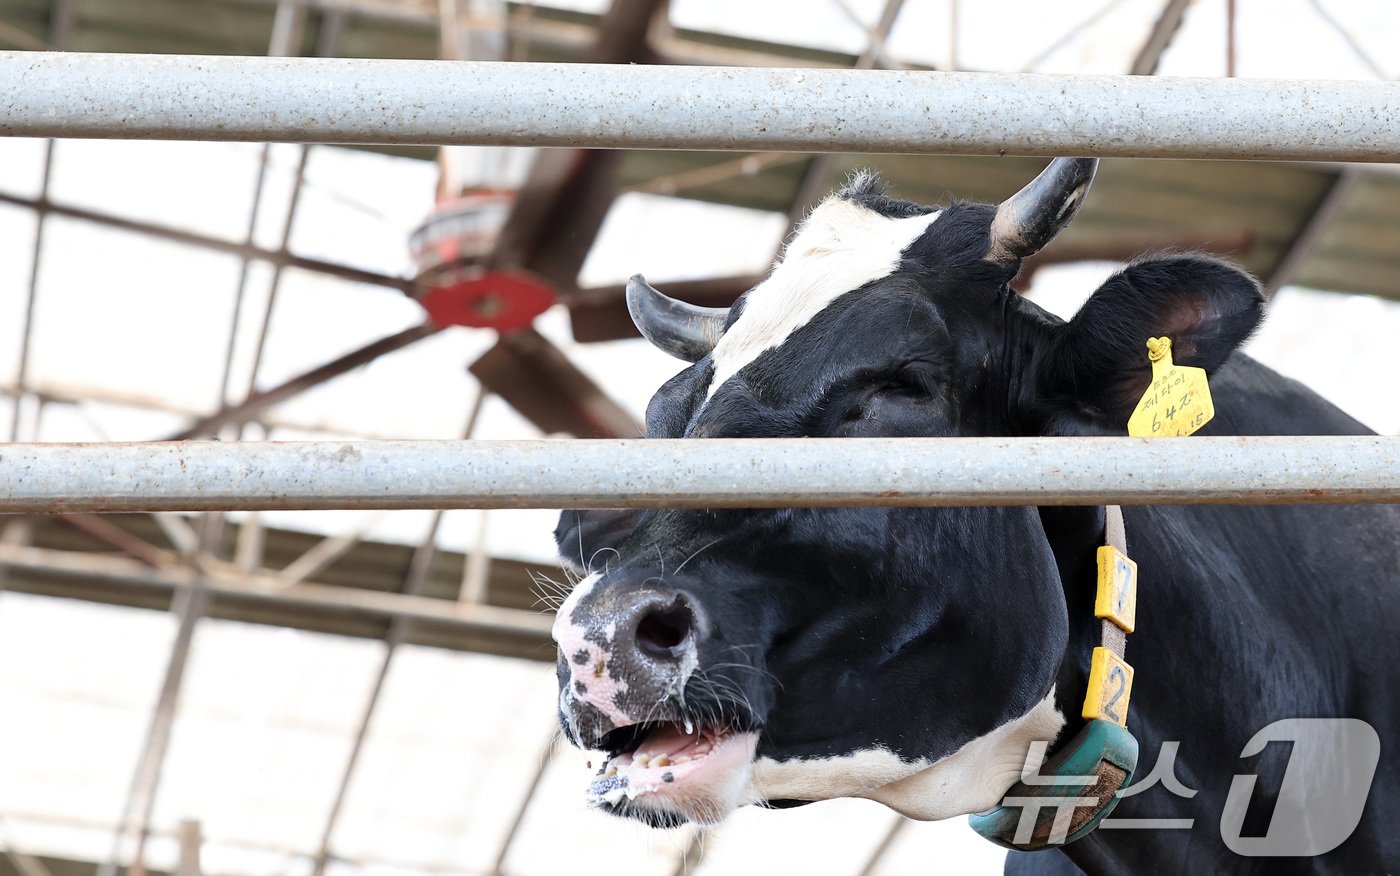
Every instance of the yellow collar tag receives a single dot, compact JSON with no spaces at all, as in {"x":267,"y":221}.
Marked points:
{"x":1177,"y":401}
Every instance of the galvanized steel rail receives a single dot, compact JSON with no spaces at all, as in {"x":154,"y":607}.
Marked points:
{"x":187,"y":476}
{"x":656,"y":107}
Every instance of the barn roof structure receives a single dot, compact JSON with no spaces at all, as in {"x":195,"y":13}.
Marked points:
{"x":355,"y":693}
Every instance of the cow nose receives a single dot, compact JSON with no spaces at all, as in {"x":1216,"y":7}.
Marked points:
{"x":664,"y":628}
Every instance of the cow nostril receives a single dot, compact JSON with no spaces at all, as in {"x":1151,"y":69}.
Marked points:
{"x":662,"y":631}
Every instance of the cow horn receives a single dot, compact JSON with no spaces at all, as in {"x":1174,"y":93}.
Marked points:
{"x":1030,"y":219}
{"x":686,"y":331}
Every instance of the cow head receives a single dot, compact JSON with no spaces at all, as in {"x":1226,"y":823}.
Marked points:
{"x":908,"y":655}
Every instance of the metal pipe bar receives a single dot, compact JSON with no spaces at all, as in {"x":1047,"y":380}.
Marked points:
{"x":640,"y":106}
{"x":712,"y":473}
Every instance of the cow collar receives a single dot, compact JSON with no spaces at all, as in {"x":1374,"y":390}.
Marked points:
{"x":1078,"y":786}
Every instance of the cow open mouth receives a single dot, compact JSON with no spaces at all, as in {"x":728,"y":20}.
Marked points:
{"x":666,"y":773}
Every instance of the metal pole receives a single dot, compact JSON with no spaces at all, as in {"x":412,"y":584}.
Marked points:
{"x":639,"y":106}
{"x":711,"y":473}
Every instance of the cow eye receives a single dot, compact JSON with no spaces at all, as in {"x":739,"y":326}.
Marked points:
{"x":912,"y":382}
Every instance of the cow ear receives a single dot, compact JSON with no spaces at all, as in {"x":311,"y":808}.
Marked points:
{"x":1095,"y":369}
{"x":582,"y":536}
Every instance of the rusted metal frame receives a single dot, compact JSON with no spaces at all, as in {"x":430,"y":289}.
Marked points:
{"x":1159,"y":38}
{"x":18,"y":532}
{"x":1326,"y":214}
{"x":190,"y":604}
{"x":190,"y":238}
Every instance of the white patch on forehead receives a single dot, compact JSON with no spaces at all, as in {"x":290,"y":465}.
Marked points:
{"x":839,"y":248}
{"x":972,"y":779}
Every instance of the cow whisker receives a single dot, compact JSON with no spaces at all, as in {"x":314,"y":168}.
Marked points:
{"x":695,"y":554}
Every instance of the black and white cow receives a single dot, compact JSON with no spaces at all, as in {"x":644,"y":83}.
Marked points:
{"x":912,"y":655}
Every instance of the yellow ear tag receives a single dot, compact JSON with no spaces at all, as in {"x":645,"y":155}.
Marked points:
{"x":1177,"y":401}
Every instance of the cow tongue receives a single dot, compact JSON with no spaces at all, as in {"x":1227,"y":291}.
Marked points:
{"x":669,"y":744}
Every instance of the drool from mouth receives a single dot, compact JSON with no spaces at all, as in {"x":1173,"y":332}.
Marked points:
{"x":667,"y":773}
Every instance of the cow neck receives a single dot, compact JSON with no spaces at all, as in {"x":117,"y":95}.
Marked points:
{"x":1078,"y":785}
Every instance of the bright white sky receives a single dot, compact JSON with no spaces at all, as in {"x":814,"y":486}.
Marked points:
{"x":268,"y":714}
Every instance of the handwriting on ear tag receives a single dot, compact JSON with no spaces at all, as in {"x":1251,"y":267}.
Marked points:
{"x":1177,"y":401}
{"x":1116,"y":599}
{"x":1110,"y":686}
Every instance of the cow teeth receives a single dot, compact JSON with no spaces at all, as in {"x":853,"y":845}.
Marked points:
{"x":681,"y":758}
{"x":661,"y":761}
{"x":612,"y":771}
{"x":641,"y":760}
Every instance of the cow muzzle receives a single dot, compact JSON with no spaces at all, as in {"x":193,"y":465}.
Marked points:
{"x":629,"y":673}
{"x":625,"y":659}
